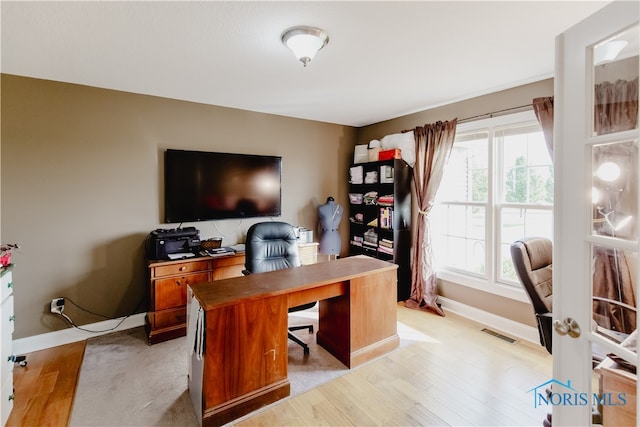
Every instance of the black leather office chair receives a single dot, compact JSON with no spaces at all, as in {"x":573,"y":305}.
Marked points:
{"x":273,"y":246}
{"x":532,"y":259}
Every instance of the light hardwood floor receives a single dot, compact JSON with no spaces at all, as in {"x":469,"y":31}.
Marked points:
{"x":45,"y":388}
{"x":448,"y":372}
{"x":453,"y":374}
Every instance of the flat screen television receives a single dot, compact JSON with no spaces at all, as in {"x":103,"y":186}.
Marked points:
{"x":202,"y":186}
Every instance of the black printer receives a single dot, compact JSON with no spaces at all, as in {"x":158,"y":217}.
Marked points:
{"x":162,"y":242}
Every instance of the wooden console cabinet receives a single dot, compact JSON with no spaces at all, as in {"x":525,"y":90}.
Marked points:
{"x":614,"y":381}
{"x":168,"y":281}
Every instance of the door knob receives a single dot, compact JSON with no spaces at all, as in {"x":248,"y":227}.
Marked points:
{"x":568,"y":326}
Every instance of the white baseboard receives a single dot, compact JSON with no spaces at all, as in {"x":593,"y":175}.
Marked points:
{"x":509,"y":327}
{"x":66,"y":336}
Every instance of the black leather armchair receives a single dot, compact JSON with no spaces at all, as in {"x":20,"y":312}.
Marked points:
{"x":273,"y":246}
{"x":532,"y":259}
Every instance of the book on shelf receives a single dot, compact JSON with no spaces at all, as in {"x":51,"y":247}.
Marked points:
{"x":386,"y":174}
{"x":386,"y":218}
{"x":385,"y":250}
{"x":386,"y":243}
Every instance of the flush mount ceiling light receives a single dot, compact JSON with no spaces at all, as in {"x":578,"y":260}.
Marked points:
{"x":305,"y":42}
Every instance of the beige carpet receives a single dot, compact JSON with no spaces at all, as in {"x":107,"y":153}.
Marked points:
{"x":125,"y":382}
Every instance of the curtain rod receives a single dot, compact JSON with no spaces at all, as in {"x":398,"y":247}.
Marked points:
{"x":466,"y":119}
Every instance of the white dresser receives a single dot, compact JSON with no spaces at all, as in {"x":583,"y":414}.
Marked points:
{"x":6,"y":360}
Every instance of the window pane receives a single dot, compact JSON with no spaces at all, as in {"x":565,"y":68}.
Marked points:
{"x":516,"y":224}
{"x":466,"y":175}
{"x":507,"y":269}
{"x":459,"y":237}
{"x":527,"y":172}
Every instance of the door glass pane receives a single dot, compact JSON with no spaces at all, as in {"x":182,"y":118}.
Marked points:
{"x":615,"y":189}
{"x":615,"y":318}
{"x":615,"y":63}
{"x":614,"y":299}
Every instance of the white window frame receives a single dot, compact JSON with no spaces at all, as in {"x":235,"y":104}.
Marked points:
{"x":491,"y":284}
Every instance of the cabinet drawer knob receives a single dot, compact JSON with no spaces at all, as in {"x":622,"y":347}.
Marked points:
{"x":10,"y":285}
{"x":11,"y":397}
{"x":183,"y":268}
{"x":12,"y":318}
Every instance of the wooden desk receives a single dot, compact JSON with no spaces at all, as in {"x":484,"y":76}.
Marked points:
{"x":244,"y":362}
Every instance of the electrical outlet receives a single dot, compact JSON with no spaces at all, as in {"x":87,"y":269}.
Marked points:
{"x":57,"y":305}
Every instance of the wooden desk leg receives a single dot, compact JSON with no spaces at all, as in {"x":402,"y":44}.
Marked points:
{"x":361,"y":325}
{"x":246,"y":357}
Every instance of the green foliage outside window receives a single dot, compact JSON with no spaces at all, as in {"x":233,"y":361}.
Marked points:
{"x":524,"y":184}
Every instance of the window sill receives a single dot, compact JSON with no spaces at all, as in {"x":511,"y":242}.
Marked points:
{"x":506,"y":291}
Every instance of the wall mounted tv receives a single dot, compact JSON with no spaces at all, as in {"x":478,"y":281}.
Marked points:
{"x":202,"y":186}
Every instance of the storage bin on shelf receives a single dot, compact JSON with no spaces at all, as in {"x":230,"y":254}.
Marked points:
{"x":395,"y":153}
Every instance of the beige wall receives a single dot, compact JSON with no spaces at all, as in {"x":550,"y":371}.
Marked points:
{"x":522,"y":95}
{"x":82,"y":186}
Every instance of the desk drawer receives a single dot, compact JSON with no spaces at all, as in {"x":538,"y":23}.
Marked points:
{"x":227,"y":272}
{"x":181,"y":268}
{"x":172,"y":292}
{"x":166,"y":318}
{"x":228,"y":261}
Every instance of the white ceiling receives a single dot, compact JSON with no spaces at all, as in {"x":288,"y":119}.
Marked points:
{"x":383,"y":60}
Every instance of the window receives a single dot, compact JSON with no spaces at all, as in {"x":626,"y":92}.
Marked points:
{"x":497,"y":187}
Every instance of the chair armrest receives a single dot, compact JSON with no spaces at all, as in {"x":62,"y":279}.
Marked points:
{"x":545,"y":329}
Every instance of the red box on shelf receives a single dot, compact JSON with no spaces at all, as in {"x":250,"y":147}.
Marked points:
{"x":390,"y":154}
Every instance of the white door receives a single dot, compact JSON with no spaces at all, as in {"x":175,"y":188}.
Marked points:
{"x":596,"y":227}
